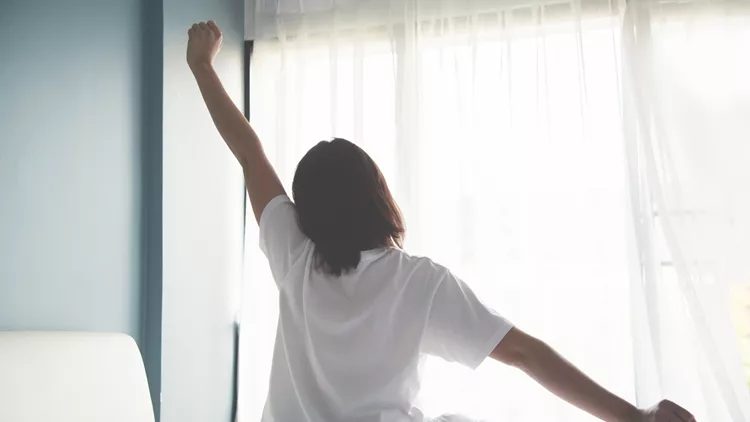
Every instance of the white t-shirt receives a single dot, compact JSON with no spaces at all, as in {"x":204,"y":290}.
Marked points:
{"x":348,"y":348}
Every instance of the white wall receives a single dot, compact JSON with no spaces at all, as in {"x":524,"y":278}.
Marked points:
{"x":202,"y":226}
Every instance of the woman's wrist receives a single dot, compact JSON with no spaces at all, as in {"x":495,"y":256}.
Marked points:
{"x":200,"y":66}
{"x":634,"y":414}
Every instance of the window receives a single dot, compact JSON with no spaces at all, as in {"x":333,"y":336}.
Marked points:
{"x":501,"y":136}
{"x":504,"y":149}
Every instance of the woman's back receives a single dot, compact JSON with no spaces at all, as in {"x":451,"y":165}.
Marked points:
{"x":348,"y":347}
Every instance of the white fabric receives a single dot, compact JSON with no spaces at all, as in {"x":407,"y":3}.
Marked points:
{"x":687,"y":89}
{"x":501,"y":135}
{"x":502,"y":145}
{"x":274,"y":19}
{"x":72,"y":377}
{"x":348,"y":348}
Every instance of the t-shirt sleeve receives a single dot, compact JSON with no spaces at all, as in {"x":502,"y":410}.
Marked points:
{"x":281,"y":239}
{"x":460,"y":328}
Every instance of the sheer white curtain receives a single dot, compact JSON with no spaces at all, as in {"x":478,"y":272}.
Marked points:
{"x":499,"y":132}
{"x":687,"y":98}
{"x":499,"y":126}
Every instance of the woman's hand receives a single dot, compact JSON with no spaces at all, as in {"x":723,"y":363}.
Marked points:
{"x":666,"y":411}
{"x":204,"y":43}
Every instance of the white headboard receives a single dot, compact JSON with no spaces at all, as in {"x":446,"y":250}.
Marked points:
{"x":72,"y":377}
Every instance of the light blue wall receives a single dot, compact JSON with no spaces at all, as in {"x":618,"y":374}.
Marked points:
{"x":203,"y":222}
{"x":80,"y":169}
{"x":70,"y":168}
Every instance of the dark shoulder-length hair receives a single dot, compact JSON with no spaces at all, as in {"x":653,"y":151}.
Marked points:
{"x":344,"y":205}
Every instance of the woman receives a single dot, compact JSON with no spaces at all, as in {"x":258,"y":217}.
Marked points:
{"x":356,"y":312}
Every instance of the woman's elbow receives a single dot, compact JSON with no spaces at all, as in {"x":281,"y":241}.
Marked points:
{"x":518,"y":349}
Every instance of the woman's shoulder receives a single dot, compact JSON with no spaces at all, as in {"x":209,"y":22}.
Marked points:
{"x":417,"y":264}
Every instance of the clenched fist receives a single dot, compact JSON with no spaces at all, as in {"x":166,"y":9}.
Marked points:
{"x":204,"y":43}
{"x":666,"y":411}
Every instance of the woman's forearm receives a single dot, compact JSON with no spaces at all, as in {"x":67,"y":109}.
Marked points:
{"x":566,"y":381}
{"x":229,"y":121}
{"x":560,"y":377}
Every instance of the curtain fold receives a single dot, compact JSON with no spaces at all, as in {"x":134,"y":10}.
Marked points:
{"x":687,"y":102}
{"x":540,"y":150}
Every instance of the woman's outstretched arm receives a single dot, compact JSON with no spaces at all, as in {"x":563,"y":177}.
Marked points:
{"x":560,"y":377}
{"x":261,"y":179}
